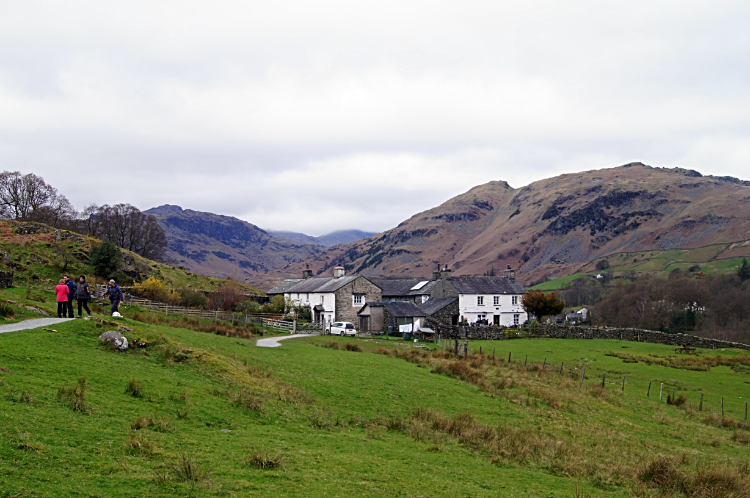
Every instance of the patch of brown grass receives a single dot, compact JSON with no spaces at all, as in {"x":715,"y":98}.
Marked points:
{"x":353,"y":347}
{"x":241,"y":330}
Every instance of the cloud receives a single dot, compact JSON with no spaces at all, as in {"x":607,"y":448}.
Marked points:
{"x":327,"y":115}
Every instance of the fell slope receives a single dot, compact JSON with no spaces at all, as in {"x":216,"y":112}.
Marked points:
{"x":329,"y":240}
{"x":553,"y":227}
{"x":222,"y":246}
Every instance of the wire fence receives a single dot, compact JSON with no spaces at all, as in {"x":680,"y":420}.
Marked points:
{"x":661,"y":390}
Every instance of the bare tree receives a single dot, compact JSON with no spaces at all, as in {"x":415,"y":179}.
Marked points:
{"x":126,"y":226}
{"x":29,"y":198}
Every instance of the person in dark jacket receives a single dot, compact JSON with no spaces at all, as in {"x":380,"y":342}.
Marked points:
{"x":83,"y":295}
{"x":115,"y":296}
{"x":71,"y":295}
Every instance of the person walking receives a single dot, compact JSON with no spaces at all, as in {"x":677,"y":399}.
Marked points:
{"x":83,"y":295}
{"x":71,"y":295}
{"x":115,"y":296}
{"x":62,"y":298}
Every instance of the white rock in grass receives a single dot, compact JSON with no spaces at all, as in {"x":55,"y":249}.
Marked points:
{"x":117,"y":339}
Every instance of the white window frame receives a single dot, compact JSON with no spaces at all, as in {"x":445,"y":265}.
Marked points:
{"x":480,"y":300}
{"x":358,"y":299}
{"x":496,"y":300}
{"x":323,"y":300}
{"x":515,"y":300}
{"x":516,"y":318}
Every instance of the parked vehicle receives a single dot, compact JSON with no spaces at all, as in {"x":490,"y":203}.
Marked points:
{"x":343,"y":329}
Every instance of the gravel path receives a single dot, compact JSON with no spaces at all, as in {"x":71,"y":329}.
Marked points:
{"x":32,"y":324}
{"x":273,"y":342}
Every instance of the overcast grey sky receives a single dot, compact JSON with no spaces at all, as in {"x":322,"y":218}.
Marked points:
{"x":317,"y":116}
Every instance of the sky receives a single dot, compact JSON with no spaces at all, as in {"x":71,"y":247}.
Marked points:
{"x":328,"y":115}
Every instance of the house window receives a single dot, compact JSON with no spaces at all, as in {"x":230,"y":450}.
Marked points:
{"x":322,"y":300}
{"x":480,"y":300}
{"x":359,"y":299}
{"x":515,"y":300}
{"x":496,"y":300}
{"x":515,"y":319}
{"x":298,"y":296}
{"x":307,"y":297}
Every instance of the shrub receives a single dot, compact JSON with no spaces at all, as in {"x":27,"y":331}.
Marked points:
{"x":7,"y":310}
{"x":106,"y":258}
{"x":265,"y":459}
{"x":156,"y":290}
{"x":192,"y":298}
{"x":139,"y":443}
{"x":353,"y":347}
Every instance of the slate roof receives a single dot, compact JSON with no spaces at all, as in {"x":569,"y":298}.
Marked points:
{"x":486,"y":285}
{"x":404,"y":309}
{"x":394,"y":287}
{"x":434,"y":305}
{"x":284,"y":286}
{"x":322,"y":284}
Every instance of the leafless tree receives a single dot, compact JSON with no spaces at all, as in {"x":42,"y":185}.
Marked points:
{"x":126,"y":226}
{"x":29,"y":198}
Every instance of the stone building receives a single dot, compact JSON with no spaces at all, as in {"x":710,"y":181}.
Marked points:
{"x":337,"y":298}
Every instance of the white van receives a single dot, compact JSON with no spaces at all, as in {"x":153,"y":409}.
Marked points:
{"x":343,"y":329}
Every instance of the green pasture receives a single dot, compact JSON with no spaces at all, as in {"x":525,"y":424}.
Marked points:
{"x":327,"y":411}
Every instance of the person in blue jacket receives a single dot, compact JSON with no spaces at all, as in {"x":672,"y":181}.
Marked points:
{"x":71,"y":295}
{"x":115,"y":296}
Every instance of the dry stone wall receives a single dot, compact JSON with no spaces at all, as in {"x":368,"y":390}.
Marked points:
{"x":590,"y":332}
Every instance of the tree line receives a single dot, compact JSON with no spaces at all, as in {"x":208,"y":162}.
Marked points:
{"x":714,"y":306}
{"x":29,"y":198}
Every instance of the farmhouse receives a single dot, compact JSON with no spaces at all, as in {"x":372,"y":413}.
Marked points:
{"x":402,"y":316}
{"x":331,"y":299}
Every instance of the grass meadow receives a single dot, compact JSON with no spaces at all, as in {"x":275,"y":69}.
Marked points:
{"x":210,"y":414}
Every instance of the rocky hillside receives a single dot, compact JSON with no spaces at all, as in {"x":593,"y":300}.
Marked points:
{"x":222,"y":246}
{"x":556,"y":226}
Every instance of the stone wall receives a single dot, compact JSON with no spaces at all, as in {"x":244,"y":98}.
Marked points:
{"x":445,"y":315}
{"x":590,"y":332}
{"x":6,"y":279}
{"x":345,"y":311}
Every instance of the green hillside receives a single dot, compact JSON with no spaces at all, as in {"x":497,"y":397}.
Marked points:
{"x":712,"y":259}
{"x":199,"y":414}
{"x":39,"y":257}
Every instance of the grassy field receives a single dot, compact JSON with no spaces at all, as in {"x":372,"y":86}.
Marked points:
{"x":198,"y":414}
{"x":708,"y":258}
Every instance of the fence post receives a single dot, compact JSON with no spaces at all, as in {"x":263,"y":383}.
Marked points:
{"x":673,"y":395}
{"x":561,"y":367}
{"x":294,"y":327}
{"x":216,"y":316}
{"x":604,"y":377}
{"x":623,"y":384}
{"x":648,"y":393}
{"x":722,"y":406}
{"x":493,"y":354}
{"x":525,"y":361}
{"x":480,"y":349}
{"x":544,"y":364}
{"x":583,"y":375}
{"x":166,"y":309}
{"x":700,"y":407}
{"x":509,"y":356}
{"x":661,"y":391}
{"x":746,"y":410}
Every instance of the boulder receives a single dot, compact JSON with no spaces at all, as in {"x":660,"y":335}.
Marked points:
{"x":123,"y":328}
{"x":34,"y":309}
{"x":116,"y":339}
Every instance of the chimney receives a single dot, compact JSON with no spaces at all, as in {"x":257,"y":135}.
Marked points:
{"x":510,"y":273}
{"x":307,"y":272}
{"x":436,"y":273}
{"x":445,"y":273}
{"x":339,"y":272}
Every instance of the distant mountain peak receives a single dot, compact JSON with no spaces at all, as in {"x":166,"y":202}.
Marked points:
{"x":164,"y":209}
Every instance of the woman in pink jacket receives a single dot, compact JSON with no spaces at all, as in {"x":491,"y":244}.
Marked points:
{"x":62,"y":299}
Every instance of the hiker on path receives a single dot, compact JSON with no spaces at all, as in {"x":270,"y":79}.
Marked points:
{"x":71,"y":295}
{"x":115,"y":296}
{"x":62,"y":298}
{"x":83,"y":295}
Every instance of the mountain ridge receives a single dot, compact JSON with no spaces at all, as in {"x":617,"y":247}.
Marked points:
{"x":553,"y":226}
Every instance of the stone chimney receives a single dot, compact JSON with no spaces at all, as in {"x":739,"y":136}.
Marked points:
{"x":445,"y":273}
{"x":339,"y":272}
{"x":510,"y":273}
{"x":307,"y":272}
{"x":436,"y":273}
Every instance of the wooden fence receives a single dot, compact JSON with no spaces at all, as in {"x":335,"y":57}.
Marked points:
{"x":272,"y":321}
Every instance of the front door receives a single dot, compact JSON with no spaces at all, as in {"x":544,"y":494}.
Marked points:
{"x":496,"y":320}
{"x":364,"y":323}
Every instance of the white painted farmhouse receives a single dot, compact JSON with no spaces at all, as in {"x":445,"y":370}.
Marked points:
{"x":495,"y":299}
